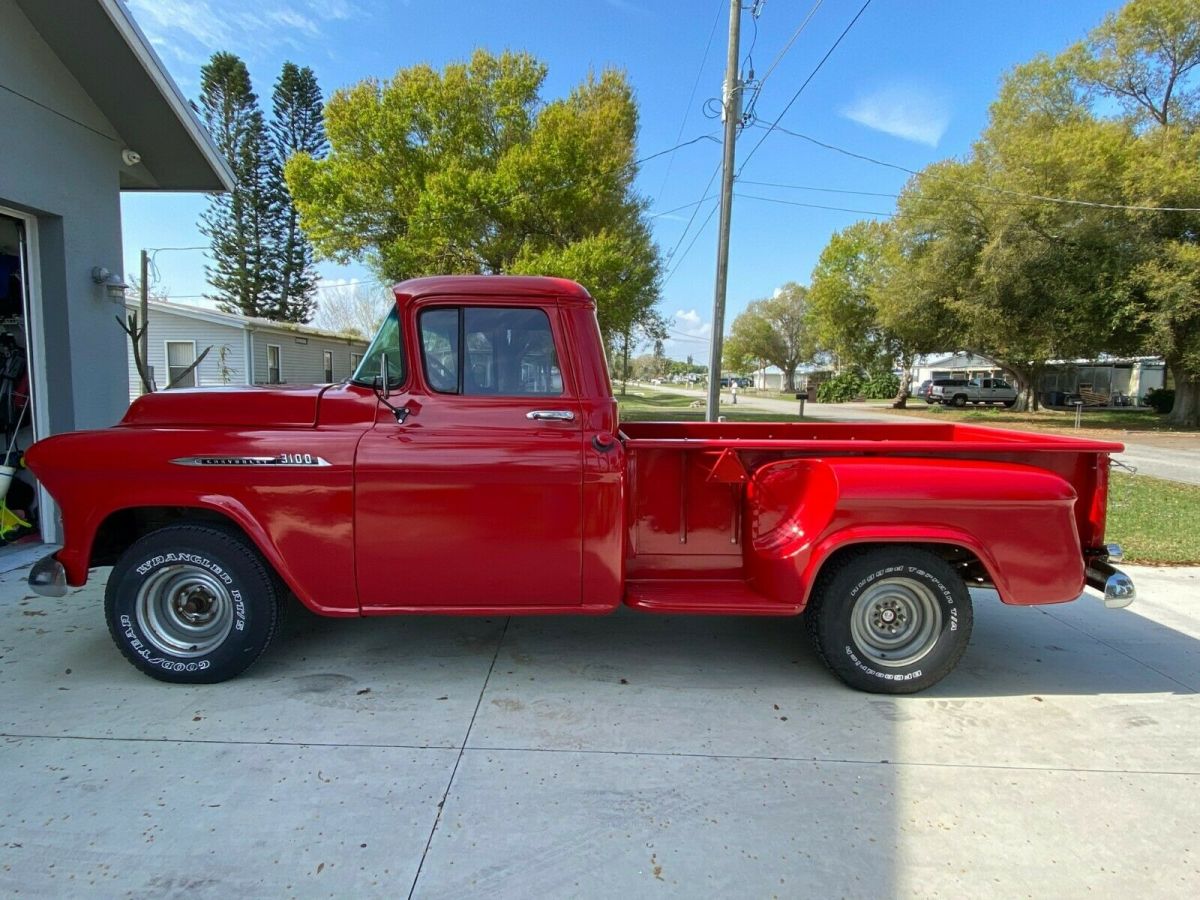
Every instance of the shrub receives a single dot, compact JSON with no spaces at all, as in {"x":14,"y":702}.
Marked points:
{"x":881,"y":386}
{"x":1161,"y":400}
{"x":840,"y":388}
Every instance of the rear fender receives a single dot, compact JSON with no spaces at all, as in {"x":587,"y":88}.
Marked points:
{"x":1017,"y":520}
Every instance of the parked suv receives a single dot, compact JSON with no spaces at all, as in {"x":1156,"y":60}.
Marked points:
{"x":977,"y":390}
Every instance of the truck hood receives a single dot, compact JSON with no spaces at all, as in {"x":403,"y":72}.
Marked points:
{"x":234,"y":406}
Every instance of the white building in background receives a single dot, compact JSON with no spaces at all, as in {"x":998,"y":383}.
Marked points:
{"x":243,"y":350}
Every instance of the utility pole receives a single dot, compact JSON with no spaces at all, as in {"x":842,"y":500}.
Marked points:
{"x":732,"y":105}
{"x":144,"y":312}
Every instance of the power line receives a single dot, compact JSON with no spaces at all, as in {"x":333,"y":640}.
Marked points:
{"x":865,"y":212}
{"x":692,"y":96}
{"x":783,"y":52}
{"x":686,"y":228}
{"x":811,"y":76}
{"x":667,"y":212}
{"x":982,"y":186}
{"x":823,"y":190}
{"x":699,"y":232}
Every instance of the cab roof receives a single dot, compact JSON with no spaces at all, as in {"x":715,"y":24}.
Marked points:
{"x":515,"y":286}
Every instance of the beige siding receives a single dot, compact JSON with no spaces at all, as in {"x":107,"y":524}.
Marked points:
{"x":302,"y":363}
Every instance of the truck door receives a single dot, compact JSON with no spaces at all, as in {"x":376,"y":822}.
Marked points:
{"x":475,"y":500}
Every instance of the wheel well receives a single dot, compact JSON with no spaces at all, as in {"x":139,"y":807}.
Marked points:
{"x":969,"y":567}
{"x":121,"y":528}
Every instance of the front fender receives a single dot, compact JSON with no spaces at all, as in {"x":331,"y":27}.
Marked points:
{"x":1018,"y":520}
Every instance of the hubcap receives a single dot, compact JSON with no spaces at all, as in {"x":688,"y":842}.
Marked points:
{"x":184,"y":610}
{"x":895,"y":622}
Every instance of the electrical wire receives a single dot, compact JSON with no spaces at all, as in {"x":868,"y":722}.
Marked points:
{"x":699,"y":232}
{"x":686,"y":228}
{"x":748,"y":114}
{"x":1044,"y":198}
{"x":691,"y":96}
{"x":800,"y":90}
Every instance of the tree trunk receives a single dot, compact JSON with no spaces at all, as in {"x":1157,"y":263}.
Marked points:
{"x":789,"y":379}
{"x":1186,"y":410}
{"x":901,"y":401}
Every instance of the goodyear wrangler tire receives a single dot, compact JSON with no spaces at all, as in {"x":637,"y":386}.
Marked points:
{"x":192,"y":604}
{"x":891,"y":620}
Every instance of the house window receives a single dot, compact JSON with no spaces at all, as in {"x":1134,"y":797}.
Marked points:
{"x":180,"y":355}
{"x":327,"y":358}
{"x":274,"y":376}
{"x":355,"y":361}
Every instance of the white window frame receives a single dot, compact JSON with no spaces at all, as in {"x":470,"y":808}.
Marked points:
{"x":167,"y":362}
{"x":279,"y":363}
{"x":327,"y":370}
{"x":355,"y":361}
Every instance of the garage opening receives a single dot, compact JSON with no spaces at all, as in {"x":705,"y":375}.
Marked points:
{"x":20,"y":498}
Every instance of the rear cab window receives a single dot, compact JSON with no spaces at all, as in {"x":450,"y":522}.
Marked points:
{"x":489,"y":351}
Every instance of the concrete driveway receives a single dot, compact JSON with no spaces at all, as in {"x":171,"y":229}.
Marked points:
{"x":627,"y":756}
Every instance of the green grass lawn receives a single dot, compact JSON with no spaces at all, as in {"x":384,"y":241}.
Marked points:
{"x":1145,"y":420}
{"x":665,"y":406}
{"x":1157,"y":522}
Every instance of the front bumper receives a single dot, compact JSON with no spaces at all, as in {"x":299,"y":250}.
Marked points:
{"x":48,"y":577}
{"x":1115,"y":585}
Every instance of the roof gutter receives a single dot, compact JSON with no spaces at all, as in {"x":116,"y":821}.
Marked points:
{"x":129,"y":30}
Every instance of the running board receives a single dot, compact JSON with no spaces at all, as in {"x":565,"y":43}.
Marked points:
{"x":703,"y":597}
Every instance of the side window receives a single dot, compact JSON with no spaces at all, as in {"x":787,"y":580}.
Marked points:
{"x":439,"y":343}
{"x":508,"y":352}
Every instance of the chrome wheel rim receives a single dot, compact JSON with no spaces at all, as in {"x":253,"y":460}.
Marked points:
{"x":895,"y":622}
{"x":184,"y":610}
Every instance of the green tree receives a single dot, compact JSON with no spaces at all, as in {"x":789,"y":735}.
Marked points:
{"x":774,"y":330}
{"x":239,"y":224}
{"x":467,"y":170}
{"x":296,"y":126}
{"x":859,"y":307}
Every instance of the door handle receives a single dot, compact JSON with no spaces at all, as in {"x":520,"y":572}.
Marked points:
{"x":555,"y":415}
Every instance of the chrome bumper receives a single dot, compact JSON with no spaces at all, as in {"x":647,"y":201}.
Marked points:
{"x":1115,"y":585}
{"x":48,"y":577}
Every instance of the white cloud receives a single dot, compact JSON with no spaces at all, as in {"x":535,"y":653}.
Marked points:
{"x":904,"y":110}
{"x":191,"y":30}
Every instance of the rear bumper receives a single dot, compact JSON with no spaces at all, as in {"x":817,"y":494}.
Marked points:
{"x":48,"y":577}
{"x":1115,"y":585}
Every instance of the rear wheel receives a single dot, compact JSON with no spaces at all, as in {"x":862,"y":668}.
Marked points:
{"x":959,"y":400}
{"x":1009,"y":404}
{"x":892,"y":620}
{"x":192,"y":604}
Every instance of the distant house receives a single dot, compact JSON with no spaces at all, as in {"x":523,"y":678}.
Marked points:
{"x":1125,"y":380}
{"x":244,"y":351}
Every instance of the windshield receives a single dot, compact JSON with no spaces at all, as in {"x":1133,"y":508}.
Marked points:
{"x":386,"y":341}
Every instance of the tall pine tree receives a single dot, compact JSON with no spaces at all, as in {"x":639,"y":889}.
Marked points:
{"x":240,"y":225}
{"x":297,"y":126}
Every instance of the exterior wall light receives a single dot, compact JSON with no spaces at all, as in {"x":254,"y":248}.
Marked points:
{"x":114,"y":286}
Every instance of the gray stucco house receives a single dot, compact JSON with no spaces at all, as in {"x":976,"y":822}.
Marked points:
{"x":241,"y":350}
{"x":87,"y":111}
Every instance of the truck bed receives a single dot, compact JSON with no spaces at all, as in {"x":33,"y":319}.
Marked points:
{"x":923,"y":438}
{"x":705,"y":501}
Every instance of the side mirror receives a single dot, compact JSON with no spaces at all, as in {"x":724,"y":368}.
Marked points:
{"x":383,"y":390}
{"x":385,"y":381}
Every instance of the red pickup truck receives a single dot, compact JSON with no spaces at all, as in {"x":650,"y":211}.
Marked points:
{"x":475,"y":465}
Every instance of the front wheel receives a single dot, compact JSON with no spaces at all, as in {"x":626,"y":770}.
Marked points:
{"x":191,"y":604}
{"x":959,"y":400}
{"x":892,"y":620}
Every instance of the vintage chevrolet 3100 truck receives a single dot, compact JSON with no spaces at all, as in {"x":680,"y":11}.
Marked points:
{"x":475,"y":465}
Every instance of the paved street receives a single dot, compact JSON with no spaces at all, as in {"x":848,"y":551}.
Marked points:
{"x":623,"y":756}
{"x":1177,"y":460}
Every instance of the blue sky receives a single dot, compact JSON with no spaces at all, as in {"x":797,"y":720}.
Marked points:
{"x":909,"y":84}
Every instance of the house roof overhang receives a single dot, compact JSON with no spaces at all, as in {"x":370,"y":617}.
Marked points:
{"x":113,"y":61}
